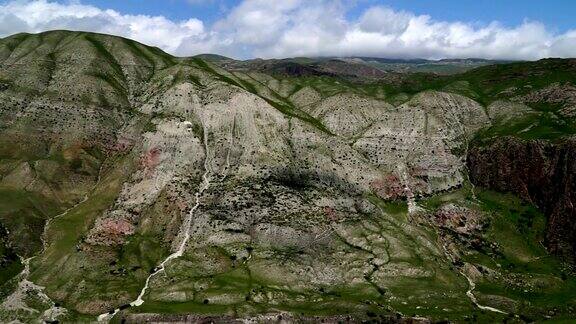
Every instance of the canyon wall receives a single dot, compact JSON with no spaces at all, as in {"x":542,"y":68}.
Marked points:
{"x":540,"y":172}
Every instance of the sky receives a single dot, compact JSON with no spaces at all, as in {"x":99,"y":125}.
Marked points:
{"x":432,"y":29}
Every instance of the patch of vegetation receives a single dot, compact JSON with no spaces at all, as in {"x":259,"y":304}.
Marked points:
{"x":150,"y":127}
{"x":284,"y":106}
{"x":4,"y":85}
{"x":538,"y":125}
{"x":103,"y":52}
{"x":518,"y":227}
{"x":111,"y":81}
{"x":10,"y":264}
{"x":67,"y":231}
{"x":536,"y":281}
{"x":292,"y":178}
{"x":24,"y":215}
{"x":395,"y":207}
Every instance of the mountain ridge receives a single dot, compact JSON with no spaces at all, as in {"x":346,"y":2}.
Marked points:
{"x":333,"y":193}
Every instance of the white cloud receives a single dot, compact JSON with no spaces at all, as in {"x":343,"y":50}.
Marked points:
{"x":266,"y":28}
{"x":384,"y":20}
{"x":564,"y":45}
{"x":41,"y":15}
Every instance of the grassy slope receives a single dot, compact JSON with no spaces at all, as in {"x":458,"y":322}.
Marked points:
{"x":519,"y":229}
{"x":111,"y":70}
{"x":61,"y":256}
{"x":251,"y":280}
{"x":532,"y":282}
{"x":31,"y":70}
{"x":9,"y":262}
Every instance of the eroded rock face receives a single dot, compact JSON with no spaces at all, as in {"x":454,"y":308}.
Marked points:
{"x":348,"y":115}
{"x":418,"y":140}
{"x":540,"y":172}
{"x":293,"y":194}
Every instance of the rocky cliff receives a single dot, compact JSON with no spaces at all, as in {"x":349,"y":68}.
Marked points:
{"x":540,"y":172}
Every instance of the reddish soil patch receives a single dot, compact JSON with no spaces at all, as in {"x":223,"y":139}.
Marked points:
{"x":150,"y":160}
{"x":388,"y":188}
{"x":331,"y":214}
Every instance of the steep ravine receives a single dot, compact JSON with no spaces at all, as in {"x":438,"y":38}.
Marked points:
{"x":541,"y":172}
{"x":183,"y":237}
{"x":186,"y":227}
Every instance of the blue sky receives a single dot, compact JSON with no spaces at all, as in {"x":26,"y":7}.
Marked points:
{"x":208,"y":10}
{"x":435,"y":29}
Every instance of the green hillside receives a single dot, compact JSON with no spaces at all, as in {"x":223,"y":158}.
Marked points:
{"x":306,"y":188}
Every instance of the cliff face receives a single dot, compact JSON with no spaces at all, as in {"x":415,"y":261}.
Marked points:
{"x":540,"y":172}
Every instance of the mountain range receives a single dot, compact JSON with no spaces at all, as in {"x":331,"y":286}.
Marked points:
{"x":138,"y":186}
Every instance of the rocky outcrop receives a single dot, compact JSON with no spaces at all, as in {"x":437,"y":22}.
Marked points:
{"x":561,"y":95}
{"x":540,"y":172}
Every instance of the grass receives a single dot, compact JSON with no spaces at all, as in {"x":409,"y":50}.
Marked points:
{"x":533,"y":280}
{"x":140,"y":254}
{"x":358,"y":299}
{"x":24,"y":215}
{"x":10,"y":264}
{"x":238,"y":281}
{"x":192,"y":307}
{"x":58,"y":266}
{"x":150,"y":127}
{"x":104,"y":53}
{"x":395,"y":207}
{"x":284,"y":106}
{"x":544,"y":123}
{"x":111,"y":81}
{"x":152,"y":58}
{"x":518,"y":228}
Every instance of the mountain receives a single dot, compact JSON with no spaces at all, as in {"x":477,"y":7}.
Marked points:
{"x":302,"y":67}
{"x":358,"y":66}
{"x":137,"y":186}
{"x":442,"y":67}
